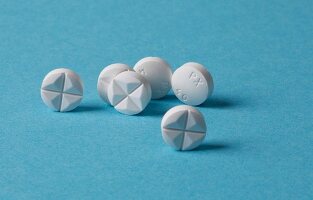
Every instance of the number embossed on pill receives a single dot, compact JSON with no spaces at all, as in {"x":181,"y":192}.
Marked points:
{"x":183,"y":96}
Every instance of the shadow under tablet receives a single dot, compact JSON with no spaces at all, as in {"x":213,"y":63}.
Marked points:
{"x":221,"y":102}
{"x":89,"y":108}
{"x":217,"y":146}
{"x":159,"y":107}
{"x":155,"y":108}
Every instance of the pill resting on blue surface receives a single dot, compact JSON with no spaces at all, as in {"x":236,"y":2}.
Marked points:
{"x":129,"y":92}
{"x":62,"y":90}
{"x":106,"y":76}
{"x":192,"y":83}
{"x":183,"y":127}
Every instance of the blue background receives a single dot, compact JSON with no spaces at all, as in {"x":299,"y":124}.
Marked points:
{"x":259,"y":143}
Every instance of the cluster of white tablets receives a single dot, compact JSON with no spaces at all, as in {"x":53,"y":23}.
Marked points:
{"x":130,"y":91}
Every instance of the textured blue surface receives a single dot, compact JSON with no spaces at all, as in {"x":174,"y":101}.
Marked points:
{"x":260,"y":118}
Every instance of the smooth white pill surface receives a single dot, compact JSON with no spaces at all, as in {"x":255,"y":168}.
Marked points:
{"x":158,"y":72}
{"x":129,"y":93}
{"x":192,"y":83}
{"x":106,"y":76}
{"x":183,"y":127}
{"x":62,"y":90}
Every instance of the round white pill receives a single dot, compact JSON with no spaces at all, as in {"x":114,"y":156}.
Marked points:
{"x":129,"y":93}
{"x":158,"y":73}
{"x":106,"y":76}
{"x":192,"y":83}
{"x":183,"y":127}
{"x":62,"y":90}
